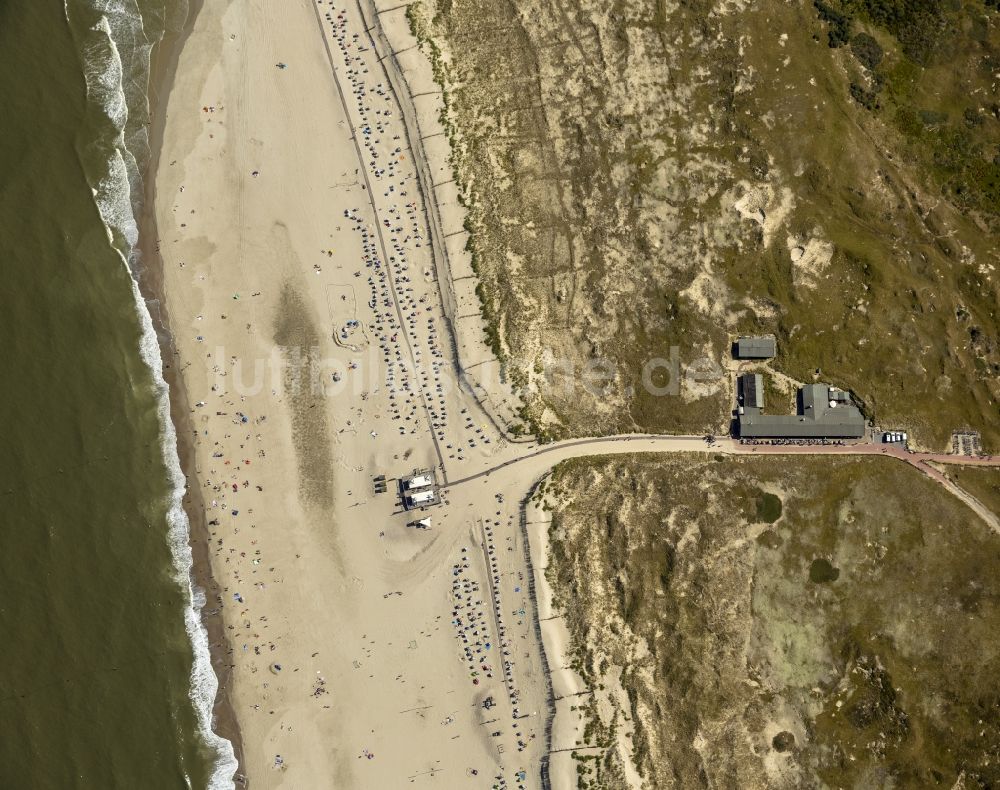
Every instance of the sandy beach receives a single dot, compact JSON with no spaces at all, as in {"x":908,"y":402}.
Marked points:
{"x":314,"y":351}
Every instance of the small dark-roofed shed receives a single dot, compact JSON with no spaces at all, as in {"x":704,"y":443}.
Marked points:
{"x":755,"y":347}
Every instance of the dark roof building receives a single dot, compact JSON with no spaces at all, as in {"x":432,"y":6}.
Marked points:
{"x":751,"y":347}
{"x":823,"y":413}
{"x":752,"y":385}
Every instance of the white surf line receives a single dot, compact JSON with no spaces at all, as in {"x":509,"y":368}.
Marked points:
{"x":113,"y":200}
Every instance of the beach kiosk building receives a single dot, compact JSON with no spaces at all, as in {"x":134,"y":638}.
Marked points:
{"x":419,"y":489}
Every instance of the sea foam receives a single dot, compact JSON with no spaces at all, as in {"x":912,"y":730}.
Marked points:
{"x":105,"y":79}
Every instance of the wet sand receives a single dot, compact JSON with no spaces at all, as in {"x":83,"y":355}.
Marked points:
{"x":163,"y":68}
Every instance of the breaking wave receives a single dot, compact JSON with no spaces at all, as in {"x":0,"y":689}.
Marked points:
{"x":117,"y":193}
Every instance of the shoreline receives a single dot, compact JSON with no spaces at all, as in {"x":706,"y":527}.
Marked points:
{"x":164,"y":59}
{"x":355,"y":605}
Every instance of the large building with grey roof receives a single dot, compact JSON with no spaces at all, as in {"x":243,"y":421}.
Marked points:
{"x":824,"y":412}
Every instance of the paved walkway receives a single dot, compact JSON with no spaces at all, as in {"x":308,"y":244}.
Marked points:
{"x":668,"y":443}
{"x":533,"y":461}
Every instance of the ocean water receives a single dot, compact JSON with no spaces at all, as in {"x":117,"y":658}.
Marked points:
{"x":106,"y":681}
